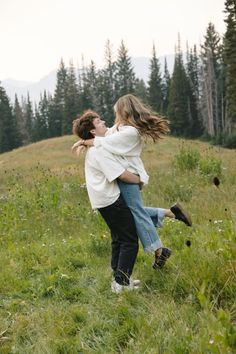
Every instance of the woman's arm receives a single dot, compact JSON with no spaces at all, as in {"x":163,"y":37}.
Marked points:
{"x":77,"y":147}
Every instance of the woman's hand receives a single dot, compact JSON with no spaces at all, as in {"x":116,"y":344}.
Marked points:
{"x":88,"y":142}
{"x":81,"y":142}
{"x":77,"y":145}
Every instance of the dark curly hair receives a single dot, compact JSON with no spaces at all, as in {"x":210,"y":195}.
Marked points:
{"x":82,"y":125}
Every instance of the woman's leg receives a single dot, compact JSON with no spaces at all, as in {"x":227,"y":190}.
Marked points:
{"x":157,"y":215}
{"x":143,"y":220}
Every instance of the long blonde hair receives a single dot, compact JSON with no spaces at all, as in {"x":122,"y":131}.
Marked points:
{"x":131,"y":111}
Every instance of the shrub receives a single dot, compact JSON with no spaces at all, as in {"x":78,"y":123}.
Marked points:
{"x":230,"y":141}
{"x":187,"y":159}
{"x":210,"y":166}
{"x":175,"y":191}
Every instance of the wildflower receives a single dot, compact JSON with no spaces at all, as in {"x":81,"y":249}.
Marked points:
{"x":3,"y":198}
{"x":64,"y":276}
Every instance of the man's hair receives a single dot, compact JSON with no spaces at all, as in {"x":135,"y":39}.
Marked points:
{"x":84,"y":124}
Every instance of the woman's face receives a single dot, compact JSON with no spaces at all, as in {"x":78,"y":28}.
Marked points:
{"x":118,"y":113}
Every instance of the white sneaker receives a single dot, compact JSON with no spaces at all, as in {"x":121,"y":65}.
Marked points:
{"x":134,"y":282}
{"x":118,"y":288}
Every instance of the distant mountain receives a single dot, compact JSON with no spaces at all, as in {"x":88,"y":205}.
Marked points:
{"x":34,"y":89}
{"x":21,"y":88}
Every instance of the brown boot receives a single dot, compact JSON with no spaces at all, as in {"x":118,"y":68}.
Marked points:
{"x":181,"y":214}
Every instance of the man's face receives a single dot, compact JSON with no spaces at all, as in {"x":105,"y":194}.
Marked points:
{"x":99,"y":127}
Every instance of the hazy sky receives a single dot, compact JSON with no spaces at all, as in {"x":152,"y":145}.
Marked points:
{"x":35,"y":34}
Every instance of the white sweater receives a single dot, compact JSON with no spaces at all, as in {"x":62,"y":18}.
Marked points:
{"x":126,"y":144}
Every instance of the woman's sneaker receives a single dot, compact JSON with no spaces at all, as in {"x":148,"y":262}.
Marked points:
{"x":181,"y":214}
{"x":161,"y":260}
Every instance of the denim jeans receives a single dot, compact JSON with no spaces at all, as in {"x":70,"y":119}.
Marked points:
{"x":146,"y":218}
{"x":120,"y":221}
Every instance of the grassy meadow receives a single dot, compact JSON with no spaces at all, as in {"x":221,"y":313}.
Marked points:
{"x":55,"y":276}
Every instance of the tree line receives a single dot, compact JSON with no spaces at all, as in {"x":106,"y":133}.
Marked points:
{"x":198,"y":98}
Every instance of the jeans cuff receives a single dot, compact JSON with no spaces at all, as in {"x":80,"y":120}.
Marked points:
{"x":160,"y":214}
{"x":154,"y":246}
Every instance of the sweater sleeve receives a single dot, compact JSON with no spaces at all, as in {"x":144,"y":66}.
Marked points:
{"x":123,"y":142}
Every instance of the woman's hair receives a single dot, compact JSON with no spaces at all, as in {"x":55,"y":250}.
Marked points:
{"x":84,"y":124}
{"x":131,"y":111}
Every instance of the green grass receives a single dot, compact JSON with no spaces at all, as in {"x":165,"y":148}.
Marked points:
{"x":55,"y":251}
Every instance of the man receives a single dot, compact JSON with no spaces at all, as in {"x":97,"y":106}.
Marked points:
{"x":101,"y":172}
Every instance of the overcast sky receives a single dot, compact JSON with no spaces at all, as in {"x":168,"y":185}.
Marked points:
{"x":35,"y":34}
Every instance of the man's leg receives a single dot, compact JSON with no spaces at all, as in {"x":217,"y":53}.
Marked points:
{"x":121,"y":223}
{"x":115,"y":251}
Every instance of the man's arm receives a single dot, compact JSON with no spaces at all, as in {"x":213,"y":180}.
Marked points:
{"x":129,"y":177}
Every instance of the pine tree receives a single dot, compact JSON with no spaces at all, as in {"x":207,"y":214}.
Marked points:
{"x":8,"y":127}
{"x":210,"y":87}
{"x":193,"y":69}
{"x":230,"y":65}
{"x":179,"y":107}
{"x":19,"y":119}
{"x":84,"y":91}
{"x":124,"y":77}
{"x":40,"y":126}
{"x":71,"y":107}
{"x":106,"y":83}
{"x":92,"y":84}
{"x":166,"y":88}
{"x":57,"y":106}
{"x":28,"y":119}
{"x":141,"y":90}
{"x":155,"y":94}
{"x":195,"y":125}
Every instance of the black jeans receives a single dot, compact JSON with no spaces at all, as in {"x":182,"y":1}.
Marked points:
{"x":124,"y":237}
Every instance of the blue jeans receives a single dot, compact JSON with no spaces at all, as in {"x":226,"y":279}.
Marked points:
{"x":146,"y":218}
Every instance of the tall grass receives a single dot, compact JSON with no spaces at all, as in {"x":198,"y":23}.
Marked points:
{"x":55,"y":277}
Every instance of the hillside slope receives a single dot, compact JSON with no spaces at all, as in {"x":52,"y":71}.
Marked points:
{"x":55,"y":251}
